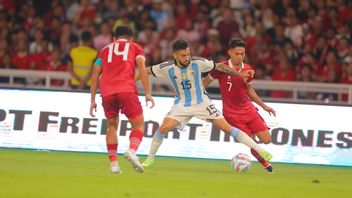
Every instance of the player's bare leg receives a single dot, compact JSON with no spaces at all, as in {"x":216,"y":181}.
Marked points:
{"x":158,"y":138}
{"x":111,"y":144}
{"x":136,"y":137}
{"x":242,"y":137}
{"x":264,"y":137}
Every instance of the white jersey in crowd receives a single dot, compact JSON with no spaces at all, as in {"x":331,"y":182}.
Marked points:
{"x":187,"y":82}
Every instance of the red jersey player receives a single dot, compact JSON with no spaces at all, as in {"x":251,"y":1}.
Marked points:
{"x":115,"y":65}
{"x":238,"y":110}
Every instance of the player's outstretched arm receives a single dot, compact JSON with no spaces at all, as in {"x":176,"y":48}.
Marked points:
{"x":253,"y":95}
{"x":137,"y":77}
{"x":143,"y":75}
{"x":224,"y":68}
{"x":93,"y":89}
{"x":207,"y":80}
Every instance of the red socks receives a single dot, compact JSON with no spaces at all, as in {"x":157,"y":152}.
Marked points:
{"x":135,"y":139}
{"x":259,"y":158}
{"x":112,"y":150}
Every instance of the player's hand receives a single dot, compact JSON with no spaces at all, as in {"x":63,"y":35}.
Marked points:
{"x":251,"y":72}
{"x":93,"y":108}
{"x":149,"y":98}
{"x":270,"y":110}
{"x":247,"y":74}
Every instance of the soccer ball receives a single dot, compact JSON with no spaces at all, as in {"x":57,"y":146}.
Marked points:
{"x":241,"y":162}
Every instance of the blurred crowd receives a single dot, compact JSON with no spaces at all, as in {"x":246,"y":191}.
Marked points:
{"x":287,"y":40}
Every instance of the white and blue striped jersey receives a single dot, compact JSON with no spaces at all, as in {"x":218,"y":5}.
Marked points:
{"x":187,"y":82}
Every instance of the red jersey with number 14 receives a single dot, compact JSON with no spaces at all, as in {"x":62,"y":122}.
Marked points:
{"x":118,"y":62}
{"x":234,"y":92}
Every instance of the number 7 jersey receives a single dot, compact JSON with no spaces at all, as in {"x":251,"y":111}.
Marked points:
{"x":233,"y":91}
{"x":118,"y":62}
{"x":187,"y":82}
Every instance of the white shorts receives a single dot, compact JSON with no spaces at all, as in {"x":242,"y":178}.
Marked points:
{"x":205,"y":111}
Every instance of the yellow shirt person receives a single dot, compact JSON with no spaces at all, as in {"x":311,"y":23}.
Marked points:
{"x":82,"y":58}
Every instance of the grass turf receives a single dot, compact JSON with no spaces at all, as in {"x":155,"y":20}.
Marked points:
{"x":27,"y":173}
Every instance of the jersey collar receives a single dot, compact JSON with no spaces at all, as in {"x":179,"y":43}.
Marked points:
{"x":231,"y":65}
{"x":121,"y":39}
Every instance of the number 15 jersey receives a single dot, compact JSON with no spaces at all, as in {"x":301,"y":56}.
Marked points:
{"x":118,"y":62}
{"x":187,"y":82}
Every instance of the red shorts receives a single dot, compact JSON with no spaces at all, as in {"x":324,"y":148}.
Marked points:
{"x":248,"y":123}
{"x":128,"y":103}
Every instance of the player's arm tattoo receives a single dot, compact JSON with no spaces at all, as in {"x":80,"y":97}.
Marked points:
{"x":224,"y":68}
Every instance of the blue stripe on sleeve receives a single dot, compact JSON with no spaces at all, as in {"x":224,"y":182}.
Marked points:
{"x":171,"y":72}
{"x":188,"y":96}
{"x":98,"y":62}
{"x":197,"y":82}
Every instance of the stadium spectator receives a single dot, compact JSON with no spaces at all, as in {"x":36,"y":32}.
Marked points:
{"x":346,"y":79}
{"x":3,"y":50}
{"x":104,"y":38}
{"x":331,"y":65}
{"x":159,"y":15}
{"x":212,"y":46}
{"x":56,"y":64}
{"x":260,"y":75}
{"x":72,"y":9}
{"x":110,"y":9}
{"x":86,"y":12}
{"x":21,"y":58}
{"x":36,"y":45}
{"x":66,"y":38}
{"x":181,"y":14}
{"x":305,"y":75}
{"x":188,"y":32}
{"x":201,"y":24}
{"x":283,"y":72}
{"x":58,"y":12}
{"x":42,"y":57}
{"x":125,"y":19}
{"x":331,"y":77}
{"x":82,"y":59}
{"x":227,"y":26}
{"x":342,"y":50}
{"x":248,"y":30}
{"x":166,"y":41}
{"x":293,"y":30}
{"x":6,"y":62}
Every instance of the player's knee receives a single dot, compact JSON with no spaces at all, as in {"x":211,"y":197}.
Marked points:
{"x":137,"y":122}
{"x":163,"y":129}
{"x":266,"y":140}
{"x":264,"y":137}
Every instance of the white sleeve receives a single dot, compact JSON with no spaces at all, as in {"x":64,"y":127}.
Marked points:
{"x":206,"y":65}
{"x":158,"y":71}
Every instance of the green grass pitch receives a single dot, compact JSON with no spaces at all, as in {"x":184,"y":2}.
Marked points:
{"x":28,"y":173}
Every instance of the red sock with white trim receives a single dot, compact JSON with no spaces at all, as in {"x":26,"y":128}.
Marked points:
{"x":135,"y":139}
{"x":112,"y":150}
